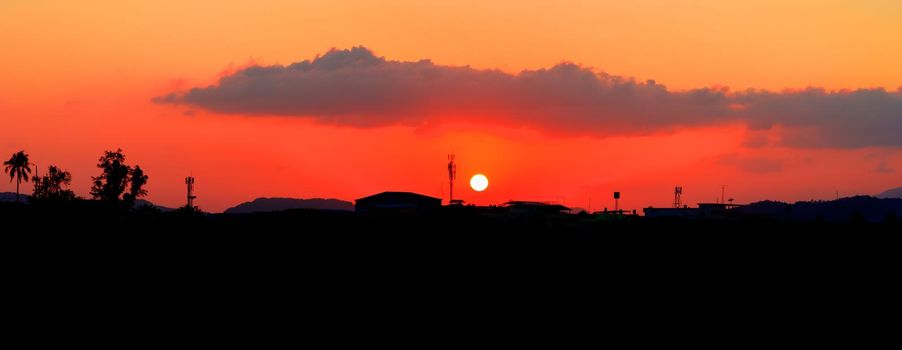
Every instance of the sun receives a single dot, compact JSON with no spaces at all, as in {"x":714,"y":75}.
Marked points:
{"x":479,"y":182}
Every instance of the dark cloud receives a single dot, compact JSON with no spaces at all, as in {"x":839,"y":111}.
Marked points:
{"x":884,"y":167}
{"x":751,"y":164}
{"x":817,"y":118}
{"x":356,"y":88}
{"x":756,"y":139}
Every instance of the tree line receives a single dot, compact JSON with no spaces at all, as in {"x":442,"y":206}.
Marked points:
{"x":118,"y":182}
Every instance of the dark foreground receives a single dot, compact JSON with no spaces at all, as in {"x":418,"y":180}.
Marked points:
{"x":320,"y":271}
{"x":446,"y":238}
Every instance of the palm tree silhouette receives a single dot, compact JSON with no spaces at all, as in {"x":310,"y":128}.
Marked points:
{"x":18,"y":167}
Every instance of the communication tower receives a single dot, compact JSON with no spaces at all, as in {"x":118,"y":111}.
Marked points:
{"x":452,"y":175}
{"x":190,"y":182}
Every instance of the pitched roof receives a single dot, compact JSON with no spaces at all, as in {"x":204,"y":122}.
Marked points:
{"x":391,"y":194}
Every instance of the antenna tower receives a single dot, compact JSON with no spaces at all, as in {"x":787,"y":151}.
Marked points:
{"x":677,"y":194}
{"x":190,"y":182}
{"x":452,"y":175}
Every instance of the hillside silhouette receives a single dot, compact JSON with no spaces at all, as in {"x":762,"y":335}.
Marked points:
{"x":146,"y":203}
{"x":278,"y":204}
{"x":850,"y":209}
{"x":893,"y":193}
{"x":11,"y":197}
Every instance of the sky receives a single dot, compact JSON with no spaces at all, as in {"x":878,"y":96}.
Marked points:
{"x":564,"y":101}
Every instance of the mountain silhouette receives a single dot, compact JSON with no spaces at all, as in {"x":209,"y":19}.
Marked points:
{"x":849,"y":209}
{"x":279,"y":204}
{"x":893,"y":193}
{"x":142,"y":202}
{"x":11,"y":197}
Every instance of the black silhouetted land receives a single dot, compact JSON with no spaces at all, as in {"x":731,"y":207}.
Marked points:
{"x":797,"y":230}
{"x":339,"y":263}
{"x":53,"y":226}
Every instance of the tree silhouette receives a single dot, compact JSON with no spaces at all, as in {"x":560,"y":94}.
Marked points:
{"x":18,"y":167}
{"x":136,"y":188}
{"x":116,"y":177}
{"x":52,"y":186}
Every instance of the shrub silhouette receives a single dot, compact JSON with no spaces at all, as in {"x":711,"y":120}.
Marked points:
{"x":52,"y":186}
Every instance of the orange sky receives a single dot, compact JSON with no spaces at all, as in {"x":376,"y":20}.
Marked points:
{"x":78,"y":77}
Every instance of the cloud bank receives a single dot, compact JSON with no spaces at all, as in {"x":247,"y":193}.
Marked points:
{"x":357,"y":88}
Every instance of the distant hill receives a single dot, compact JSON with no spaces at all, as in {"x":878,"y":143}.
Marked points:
{"x":893,"y":193}
{"x":841,"y":210}
{"x":278,"y":204}
{"x":142,"y":202}
{"x":11,"y":197}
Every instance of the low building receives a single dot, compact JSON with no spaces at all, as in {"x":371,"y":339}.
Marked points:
{"x":397,"y":203}
{"x":704,"y":211}
{"x":684,"y":212}
{"x":719,"y":210}
{"x":535,"y":208}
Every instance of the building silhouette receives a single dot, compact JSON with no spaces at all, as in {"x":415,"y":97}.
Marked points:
{"x":703,"y":211}
{"x":535,"y":208}
{"x":397,"y":203}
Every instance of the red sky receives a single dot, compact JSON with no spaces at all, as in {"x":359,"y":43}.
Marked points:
{"x":80,"y":79}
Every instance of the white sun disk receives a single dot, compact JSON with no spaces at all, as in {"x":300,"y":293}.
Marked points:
{"x":479,"y":182}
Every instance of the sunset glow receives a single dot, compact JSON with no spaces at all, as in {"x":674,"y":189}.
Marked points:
{"x":563,"y":101}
